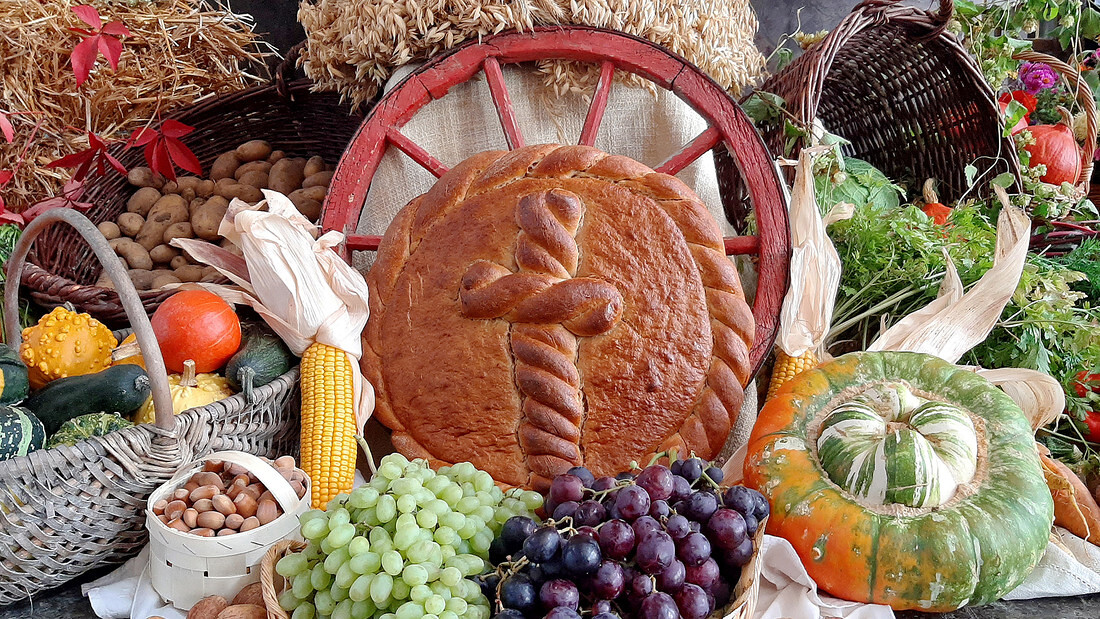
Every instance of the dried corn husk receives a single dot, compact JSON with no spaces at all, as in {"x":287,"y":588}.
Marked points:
{"x":815,"y":266}
{"x":293,"y":279}
{"x":1040,"y":396}
{"x":950,"y":327}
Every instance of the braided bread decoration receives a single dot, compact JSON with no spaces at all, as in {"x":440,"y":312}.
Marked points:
{"x":554,"y":306}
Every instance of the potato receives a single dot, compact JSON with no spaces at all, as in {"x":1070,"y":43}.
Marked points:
{"x":224,"y":166}
{"x":142,"y":278}
{"x":109,"y":230}
{"x":275,"y":156}
{"x":179,"y":230}
{"x":188,"y":182}
{"x":130,"y":223}
{"x":211,"y":277}
{"x":144,"y":177}
{"x":194,"y":204}
{"x":188,"y":272}
{"x":162,"y":278}
{"x":310,"y":209}
{"x":163,"y":254}
{"x":142,"y":200}
{"x":253,"y":150}
{"x":314,"y":165}
{"x":105,"y":281}
{"x":113,"y":243}
{"x":208,"y":607}
{"x":320,"y":179}
{"x":312,"y":193}
{"x":247,"y":193}
{"x":256,"y":178}
{"x":251,"y":594}
{"x":243,"y":611}
{"x":255,"y":166}
{"x":135,"y":255}
{"x":205,"y":189}
{"x":168,"y":210}
{"x":286,"y":175}
{"x":231,"y":247}
{"x":206,"y":219}
{"x":169,"y":187}
{"x":187,"y":194}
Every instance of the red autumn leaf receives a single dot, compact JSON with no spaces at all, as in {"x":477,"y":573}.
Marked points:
{"x":88,"y":15}
{"x":164,"y":150}
{"x":8,"y":217}
{"x":6,"y":129}
{"x":69,"y":198}
{"x":101,"y":38}
{"x":94,"y":157}
{"x":5,"y":177}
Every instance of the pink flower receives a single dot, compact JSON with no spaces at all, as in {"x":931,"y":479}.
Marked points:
{"x":1037,"y":76}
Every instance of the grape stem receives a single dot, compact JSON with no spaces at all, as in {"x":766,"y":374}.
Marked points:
{"x":366,"y":450}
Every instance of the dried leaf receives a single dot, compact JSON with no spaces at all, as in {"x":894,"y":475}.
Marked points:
{"x":1039,"y":395}
{"x":815,"y":267}
{"x":951,"y":328}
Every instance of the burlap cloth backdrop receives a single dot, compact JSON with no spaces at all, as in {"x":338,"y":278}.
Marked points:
{"x":349,"y":37}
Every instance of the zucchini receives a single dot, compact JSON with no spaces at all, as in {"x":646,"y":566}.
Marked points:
{"x":264,"y":356}
{"x":13,"y":376}
{"x":20,"y":432}
{"x":120,"y":388}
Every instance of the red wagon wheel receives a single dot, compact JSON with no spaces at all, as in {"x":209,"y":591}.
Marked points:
{"x":612,"y":51}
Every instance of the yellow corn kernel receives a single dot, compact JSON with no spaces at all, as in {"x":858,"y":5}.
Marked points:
{"x":328,"y":422}
{"x":787,"y":367}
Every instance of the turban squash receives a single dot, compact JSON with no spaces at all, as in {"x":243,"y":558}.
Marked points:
{"x":902,"y":479}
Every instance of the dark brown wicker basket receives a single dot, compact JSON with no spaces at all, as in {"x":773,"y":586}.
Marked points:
{"x":905,"y":93}
{"x":63,"y":268}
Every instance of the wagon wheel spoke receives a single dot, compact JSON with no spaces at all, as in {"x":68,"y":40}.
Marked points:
{"x":598,"y":105}
{"x":691,"y":151}
{"x":362,"y":242}
{"x":742,"y":245}
{"x":416,"y":152}
{"x":503,"y":103}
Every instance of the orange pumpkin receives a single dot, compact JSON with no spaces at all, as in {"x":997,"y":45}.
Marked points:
{"x":197,"y":325}
{"x":1056,"y":147}
{"x":932,"y":207}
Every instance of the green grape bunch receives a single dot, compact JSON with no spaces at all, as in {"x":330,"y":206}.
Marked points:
{"x":404,"y":545}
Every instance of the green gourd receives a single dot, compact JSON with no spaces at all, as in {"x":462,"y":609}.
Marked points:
{"x":13,"y":376}
{"x":263,"y":358}
{"x":86,"y":426}
{"x":122,"y":388}
{"x":20,"y":432}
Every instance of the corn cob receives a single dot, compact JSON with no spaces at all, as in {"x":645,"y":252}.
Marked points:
{"x":787,"y":367}
{"x":328,"y":422}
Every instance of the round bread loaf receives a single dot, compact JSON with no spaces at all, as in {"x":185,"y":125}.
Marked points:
{"x":555,"y":306}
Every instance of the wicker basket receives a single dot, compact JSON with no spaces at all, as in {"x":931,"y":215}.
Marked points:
{"x":66,"y":510}
{"x":904,"y":92}
{"x":63,"y":268}
{"x":746,"y":592}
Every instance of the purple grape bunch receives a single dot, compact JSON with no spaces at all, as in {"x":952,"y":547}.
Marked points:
{"x":662,"y":543}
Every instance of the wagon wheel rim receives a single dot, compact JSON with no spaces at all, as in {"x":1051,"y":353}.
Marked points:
{"x":612,"y":51}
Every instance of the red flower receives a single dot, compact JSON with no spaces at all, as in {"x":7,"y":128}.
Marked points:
{"x":163,"y":148}
{"x":95,"y":155}
{"x":99,"y":39}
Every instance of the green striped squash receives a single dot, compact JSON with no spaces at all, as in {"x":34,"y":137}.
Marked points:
{"x":902,"y":479}
{"x":20,"y":432}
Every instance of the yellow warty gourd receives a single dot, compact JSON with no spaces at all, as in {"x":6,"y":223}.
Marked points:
{"x":65,"y":343}
{"x":328,"y":422}
{"x":787,"y":367}
{"x":189,"y":390}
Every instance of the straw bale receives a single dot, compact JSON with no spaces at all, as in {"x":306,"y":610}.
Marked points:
{"x":354,"y":45}
{"x":179,"y":52}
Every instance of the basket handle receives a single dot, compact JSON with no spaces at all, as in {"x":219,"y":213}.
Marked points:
{"x":284,"y":73}
{"x":135,"y":311}
{"x":1084,"y":99}
{"x":892,"y":10}
{"x":268,"y":575}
